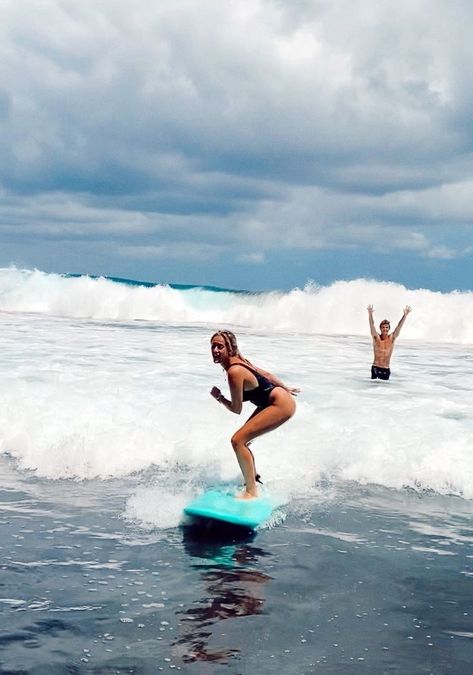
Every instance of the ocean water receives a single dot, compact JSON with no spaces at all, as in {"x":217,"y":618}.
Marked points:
{"x":107,"y":430}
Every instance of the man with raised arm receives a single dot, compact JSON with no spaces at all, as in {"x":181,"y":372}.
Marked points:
{"x":383,"y":344}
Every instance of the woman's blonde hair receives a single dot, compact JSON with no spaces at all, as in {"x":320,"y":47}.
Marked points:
{"x":230,"y":342}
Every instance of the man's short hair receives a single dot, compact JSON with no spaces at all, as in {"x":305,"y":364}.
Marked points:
{"x":383,"y":322}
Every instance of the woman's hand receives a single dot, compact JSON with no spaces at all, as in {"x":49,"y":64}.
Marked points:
{"x":216,"y":393}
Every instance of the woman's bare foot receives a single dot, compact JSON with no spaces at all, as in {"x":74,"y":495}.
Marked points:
{"x":247,"y":495}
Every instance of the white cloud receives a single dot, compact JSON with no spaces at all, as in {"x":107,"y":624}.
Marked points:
{"x":176,"y":251}
{"x":201,"y":128}
{"x":251,"y":258}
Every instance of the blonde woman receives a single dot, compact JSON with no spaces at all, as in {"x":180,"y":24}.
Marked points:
{"x":273,"y":400}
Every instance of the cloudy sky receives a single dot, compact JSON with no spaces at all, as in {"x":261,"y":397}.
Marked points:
{"x":242,"y":143}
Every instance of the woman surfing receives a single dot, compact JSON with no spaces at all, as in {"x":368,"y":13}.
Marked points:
{"x":273,"y":400}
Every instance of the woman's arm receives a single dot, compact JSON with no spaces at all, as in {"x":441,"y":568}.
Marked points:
{"x":235,"y":383}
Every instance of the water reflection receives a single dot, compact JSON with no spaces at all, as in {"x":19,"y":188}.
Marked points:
{"x":233,"y":587}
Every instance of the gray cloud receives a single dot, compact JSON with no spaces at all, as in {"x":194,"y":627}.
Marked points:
{"x":214,"y":126}
{"x":187,"y":251}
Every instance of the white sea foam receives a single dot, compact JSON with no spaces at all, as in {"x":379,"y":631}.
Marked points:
{"x":338,"y":309}
{"x":83,"y":398}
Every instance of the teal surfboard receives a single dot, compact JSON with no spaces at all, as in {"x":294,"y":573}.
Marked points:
{"x":227,"y":508}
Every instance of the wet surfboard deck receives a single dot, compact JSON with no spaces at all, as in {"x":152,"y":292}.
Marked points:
{"x":224,"y":507}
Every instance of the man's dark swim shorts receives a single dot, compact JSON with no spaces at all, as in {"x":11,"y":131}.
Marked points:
{"x":380,"y":373}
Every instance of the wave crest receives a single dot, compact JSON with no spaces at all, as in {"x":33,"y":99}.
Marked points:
{"x":337,"y":309}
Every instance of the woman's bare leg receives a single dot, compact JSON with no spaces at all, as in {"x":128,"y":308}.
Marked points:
{"x":257,"y":476}
{"x":247,"y":468}
{"x":281,"y":409}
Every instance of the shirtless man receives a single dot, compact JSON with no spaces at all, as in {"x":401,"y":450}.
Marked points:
{"x":383,"y":344}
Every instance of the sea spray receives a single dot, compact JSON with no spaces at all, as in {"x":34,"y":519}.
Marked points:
{"x":87,"y":399}
{"x":337,"y":309}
